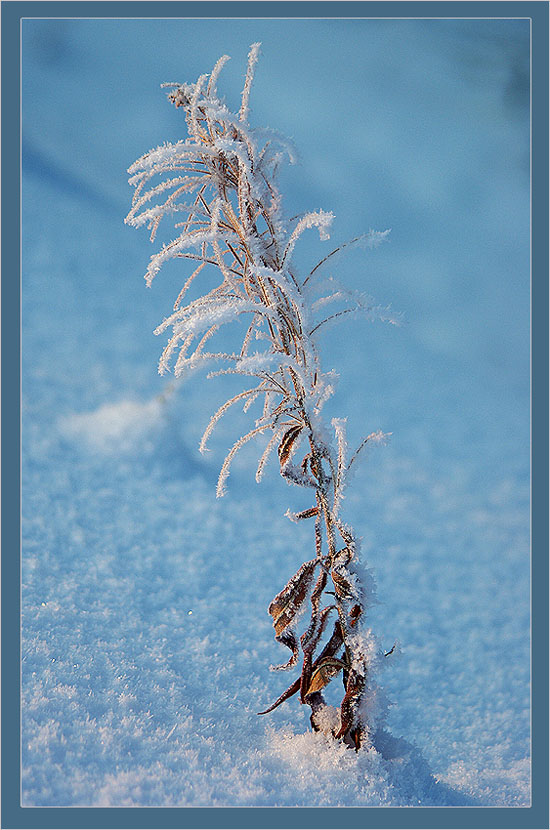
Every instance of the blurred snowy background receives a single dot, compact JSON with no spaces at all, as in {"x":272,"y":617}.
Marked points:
{"x":146,"y":641}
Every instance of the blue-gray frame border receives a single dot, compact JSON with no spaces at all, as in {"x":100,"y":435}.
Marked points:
{"x":15,"y":816}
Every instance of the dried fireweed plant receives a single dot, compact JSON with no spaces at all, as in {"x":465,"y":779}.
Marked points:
{"x":221,"y":180}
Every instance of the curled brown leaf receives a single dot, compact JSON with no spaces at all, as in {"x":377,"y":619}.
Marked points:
{"x":321,"y":676}
{"x":308,"y":514}
{"x":342,"y":583}
{"x":289,"y":639}
{"x":284,"y":607}
{"x":285,"y":447}
{"x":292,"y":689}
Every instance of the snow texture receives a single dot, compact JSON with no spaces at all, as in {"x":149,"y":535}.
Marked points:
{"x":146,"y":638}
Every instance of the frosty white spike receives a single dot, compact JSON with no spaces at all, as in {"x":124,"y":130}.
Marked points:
{"x":252,"y":60}
{"x":220,"y":63}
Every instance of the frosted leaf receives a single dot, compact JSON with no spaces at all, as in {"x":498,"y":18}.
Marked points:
{"x":321,"y":676}
{"x":186,"y":240}
{"x":288,"y":602}
{"x":339,"y":425}
{"x":292,"y":689}
{"x":287,"y":443}
{"x":289,"y":639}
{"x":303,"y":514}
{"x":383,"y":313}
{"x":295,"y":475}
{"x":344,"y":583}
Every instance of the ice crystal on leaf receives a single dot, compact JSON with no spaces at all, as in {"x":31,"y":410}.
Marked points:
{"x":218,"y":187}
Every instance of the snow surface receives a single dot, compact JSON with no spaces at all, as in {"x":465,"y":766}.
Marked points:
{"x":146,"y":638}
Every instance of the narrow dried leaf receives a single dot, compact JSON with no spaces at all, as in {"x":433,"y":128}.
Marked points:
{"x":285,"y":447}
{"x":224,"y":472}
{"x":285,"y":696}
{"x":309,"y":650}
{"x":265,"y":455}
{"x":221,"y":411}
{"x":329,"y":650}
{"x":333,"y":644}
{"x":284,"y":607}
{"x":377,"y":437}
{"x":308,"y":514}
{"x":305,"y":677}
{"x":310,"y":637}
{"x":342,"y":584}
{"x":289,"y":639}
{"x":324,"y":673}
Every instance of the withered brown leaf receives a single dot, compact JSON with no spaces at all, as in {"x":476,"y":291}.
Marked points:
{"x":310,"y":637}
{"x":284,"y":607}
{"x":342,"y":584}
{"x":354,"y":687}
{"x":308,"y":514}
{"x":289,"y":639}
{"x":324,"y":673}
{"x":329,"y":650}
{"x":336,"y":640}
{"x":287,"y":442}
{"x":341,"y":577}
{"x":292,"y":689}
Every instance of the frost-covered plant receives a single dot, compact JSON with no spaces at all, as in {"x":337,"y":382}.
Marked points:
{"x":222,"y":182}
